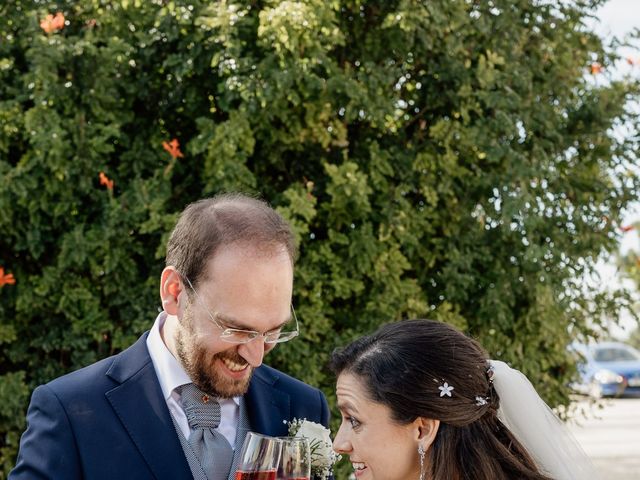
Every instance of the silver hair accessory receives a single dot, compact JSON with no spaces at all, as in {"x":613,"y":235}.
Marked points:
{"x":481,"y":401}
{"x":421,"y":452}
{"x":491,"y":371}
{"x":445,"y":389}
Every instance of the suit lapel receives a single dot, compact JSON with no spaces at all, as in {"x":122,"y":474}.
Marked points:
{"x":263,"y":410}
{"x":268,"y":407}
{"x":140,"y":405}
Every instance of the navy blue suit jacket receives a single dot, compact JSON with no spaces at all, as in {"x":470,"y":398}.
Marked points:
{"x":110,"y":420}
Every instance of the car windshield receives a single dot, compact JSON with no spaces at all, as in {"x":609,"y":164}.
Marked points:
{"x":612,"y":354}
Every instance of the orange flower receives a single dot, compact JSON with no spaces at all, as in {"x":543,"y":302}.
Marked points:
{"x":51,"y":23}
{"x":596,"y":68}
{"x":6,"y":279}
{"x":104,"y":180}
{"x":173,"y":147}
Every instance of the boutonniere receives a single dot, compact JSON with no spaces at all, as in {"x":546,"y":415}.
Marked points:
{"x":321,"y":451}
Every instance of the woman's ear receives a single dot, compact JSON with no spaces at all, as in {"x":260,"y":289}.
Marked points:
{"x":170,"y":289}
{"x":427,"y":431}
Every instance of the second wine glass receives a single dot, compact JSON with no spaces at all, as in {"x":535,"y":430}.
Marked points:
{"x":295,"y":459}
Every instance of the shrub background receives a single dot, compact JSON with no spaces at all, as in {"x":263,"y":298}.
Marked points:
{"x":447,"y":159}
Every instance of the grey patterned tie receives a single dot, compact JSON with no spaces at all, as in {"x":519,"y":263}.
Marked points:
{"x":211,"y":447}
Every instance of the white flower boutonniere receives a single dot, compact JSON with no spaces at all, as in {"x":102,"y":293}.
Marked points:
{"x":322,"y":455}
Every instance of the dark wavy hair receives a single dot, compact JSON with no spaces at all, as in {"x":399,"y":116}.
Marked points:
{"x":226,"y":219}
{"x":402,"y":366}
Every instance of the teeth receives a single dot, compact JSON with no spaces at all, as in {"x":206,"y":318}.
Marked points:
{"x":357,"y":465}
{"x":233,"y":366}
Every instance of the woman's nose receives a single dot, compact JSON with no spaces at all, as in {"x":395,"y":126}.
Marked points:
{"x":341,"y":443}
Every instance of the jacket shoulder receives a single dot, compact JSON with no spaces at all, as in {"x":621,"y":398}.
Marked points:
{"x":103,"y":374}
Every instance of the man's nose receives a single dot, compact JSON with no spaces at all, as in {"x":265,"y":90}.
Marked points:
{"x":253,"y":352}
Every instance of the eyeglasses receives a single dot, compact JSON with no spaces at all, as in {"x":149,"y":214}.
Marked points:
{"x":237,"y":335}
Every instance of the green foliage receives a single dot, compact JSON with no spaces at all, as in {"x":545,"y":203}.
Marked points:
{"x":444,"y":159}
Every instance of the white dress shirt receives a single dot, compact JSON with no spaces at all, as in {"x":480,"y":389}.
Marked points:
{"x":171,"y":375}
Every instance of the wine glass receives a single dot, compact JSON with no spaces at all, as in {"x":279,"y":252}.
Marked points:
{"x":295,"y":461}
{"x":259,"y":457}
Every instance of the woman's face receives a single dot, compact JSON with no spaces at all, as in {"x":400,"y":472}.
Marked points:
{"x":378,"y":447}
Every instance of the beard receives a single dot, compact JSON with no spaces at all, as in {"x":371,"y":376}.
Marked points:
{"x":201,"y":366}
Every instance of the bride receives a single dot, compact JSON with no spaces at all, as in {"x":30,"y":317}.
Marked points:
{"x":420,"y":400}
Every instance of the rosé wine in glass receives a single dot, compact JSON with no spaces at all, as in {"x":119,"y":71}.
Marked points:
{"x":259,"y":457}
{"x":263,"y":475}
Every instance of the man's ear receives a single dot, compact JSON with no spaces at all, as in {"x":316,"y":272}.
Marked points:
{"x":170,"y":290}
{"x":427,"y":431}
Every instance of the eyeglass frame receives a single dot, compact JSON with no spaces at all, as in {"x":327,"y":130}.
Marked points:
{"x":226,"y":331}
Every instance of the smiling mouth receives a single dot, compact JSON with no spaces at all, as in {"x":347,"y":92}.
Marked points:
{"x":234,"y":366}
{"x":358,"y":466}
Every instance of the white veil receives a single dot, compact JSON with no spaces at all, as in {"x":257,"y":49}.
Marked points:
{"x":540,"y":431}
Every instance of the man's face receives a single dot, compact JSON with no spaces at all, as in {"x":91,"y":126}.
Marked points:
{"x":243,"y":289}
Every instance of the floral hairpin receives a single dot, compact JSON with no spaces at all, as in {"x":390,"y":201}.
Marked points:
{"x":481,"y":401}
{"x":445,"y":389}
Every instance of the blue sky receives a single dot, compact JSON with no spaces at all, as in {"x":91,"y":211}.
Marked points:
{"x":619,"y":16}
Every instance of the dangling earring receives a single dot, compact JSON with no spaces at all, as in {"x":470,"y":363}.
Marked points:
{"x":421,"y":452}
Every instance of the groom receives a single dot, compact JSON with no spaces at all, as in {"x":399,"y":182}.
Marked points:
{"x":226,"y":297}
